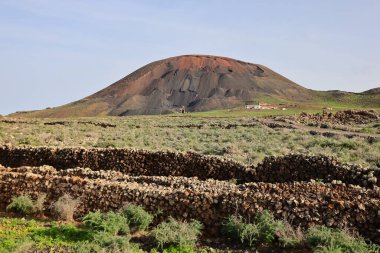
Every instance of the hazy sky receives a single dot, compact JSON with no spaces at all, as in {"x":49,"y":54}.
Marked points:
{"x":55,"y":52}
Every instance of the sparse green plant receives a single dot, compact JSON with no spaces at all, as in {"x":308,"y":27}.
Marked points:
{"x":267,"y":226}
{"x":324,"y":239}
{"x":329,"y":249}
{"x":110,"y":222}
{"x":112,"y":242}
{"x":319,"y":180}
{"x":138,"y":218}
{"x":65,"y":207}
{"x":288,"y":236}
{"x":22,"y":205}
{"x":39,"y":204}
{"x":177,"y":233}
{"x":265,"y":229}
{"x":175,"y":249}
{"x":250,"y":233}
{"x":93,"y":220}
{"x":22,"y":247}
{"x":233,"y":227}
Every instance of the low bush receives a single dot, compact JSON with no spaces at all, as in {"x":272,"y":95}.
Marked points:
{"x":39,"y":204}
{"x":111,"y":241}
{"x":323,"y":239}
{"x":237,"y":229}
{"x":177,"y":233}
{"x":111,"y":222}
{"x":65,"y":207}
{"x":21,"y":205}
{"x":174,"y":249}
{"x":104,"y":242}
{"x":265,"y":229}
{"x":288,"y":236}
{"x":233,"y":227}
{"x":267,"y":226}
{"x":250,"y":234}
{"x":138,"y":218}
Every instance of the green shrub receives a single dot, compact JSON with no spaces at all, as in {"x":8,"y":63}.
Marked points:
{"x":265,"y":229}
{"x":21,"y":205}
{"x":111,"y":241}
{"x":104,"y":242}
{"x":113,"y":223}
{"x":267,"y":226}
{"x":93,"y":220}
{"x":233,"y":227}
{"x":174,"y":249}
{"x":181,"y":234}
{"x":250,"y":233}
{"x":329,"y":249}
{"x":324,"y":239}
{"x":89,"y":247}
{"x":237,"y":229}
{"x":138,"y":218}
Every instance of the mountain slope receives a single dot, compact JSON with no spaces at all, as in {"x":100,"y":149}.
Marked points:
{"x":372,"y":91}
{"x":197,"y":82}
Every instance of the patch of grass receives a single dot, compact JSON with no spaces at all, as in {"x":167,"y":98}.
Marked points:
{"x":158,"y":133}
{"x":18,"y":235}
{"x":177,"y":233}
{"x":59,"y":235}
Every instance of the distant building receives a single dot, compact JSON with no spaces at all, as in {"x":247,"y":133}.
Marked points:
{"x":267,"y":106}
{"x":253,"y":105}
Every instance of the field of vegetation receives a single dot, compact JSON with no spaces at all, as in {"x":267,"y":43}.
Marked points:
{"x":27,"y":224}
{"x":130,"y":229}
{"x":238,"y":137}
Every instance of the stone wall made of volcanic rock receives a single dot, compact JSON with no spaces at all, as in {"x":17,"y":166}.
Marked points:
{"x":340,"y":117}
{"x":210,"y":201}
{"x":289,"y":168}
{"x":295,"y":167}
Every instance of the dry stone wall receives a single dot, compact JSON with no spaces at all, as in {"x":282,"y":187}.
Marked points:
{"x":190,"y":185}
{"x":210,"y":201}
{"x":289,"y":168}
{"x":295,"y":167}
{"x":340,"y":117}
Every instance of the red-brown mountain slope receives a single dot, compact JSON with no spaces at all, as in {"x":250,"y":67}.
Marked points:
{"x":197,"y":82}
